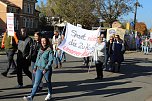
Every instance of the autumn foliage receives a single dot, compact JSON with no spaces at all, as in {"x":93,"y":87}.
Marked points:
{"x":141,"y":28}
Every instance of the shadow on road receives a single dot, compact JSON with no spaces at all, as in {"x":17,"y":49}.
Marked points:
{"x":131,"y":68}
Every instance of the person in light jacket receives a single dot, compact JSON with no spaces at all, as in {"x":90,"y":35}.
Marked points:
{"x":56,"y":41}
{"x":99,"y":57}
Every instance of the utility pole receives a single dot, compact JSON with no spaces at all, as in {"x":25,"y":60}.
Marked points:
{"x":135,"y":14}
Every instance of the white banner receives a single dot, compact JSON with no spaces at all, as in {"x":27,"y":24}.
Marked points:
{"x":10,"y":24}
{"x":79,"y":42}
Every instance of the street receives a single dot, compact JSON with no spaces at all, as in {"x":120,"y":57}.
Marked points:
{"x":73,"y":82}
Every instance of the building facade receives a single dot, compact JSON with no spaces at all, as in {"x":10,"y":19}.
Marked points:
{"x":25,"y":14}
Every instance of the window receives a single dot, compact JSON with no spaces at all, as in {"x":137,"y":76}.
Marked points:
{"x":10,"y":9}
{"x":24,"y":22}
{"x":36,"y":24}
{"x":28,"y":8}
{"x":27,"y":21}
{"x":25,"y":8}
{"x":31,"y":23}
{"x":32,"y":8}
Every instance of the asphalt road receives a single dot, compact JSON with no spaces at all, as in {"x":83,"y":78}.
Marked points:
{"x":74,"y":83}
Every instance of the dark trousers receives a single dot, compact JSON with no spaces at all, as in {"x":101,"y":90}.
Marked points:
{"x":22,"y":65}
{"x":86,"y":60}
{"x":10,"y":55}
{"x":114,"y":67}
{"x":99,"y":69}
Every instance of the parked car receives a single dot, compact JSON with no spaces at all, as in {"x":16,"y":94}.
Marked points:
{"x":48,"y":34}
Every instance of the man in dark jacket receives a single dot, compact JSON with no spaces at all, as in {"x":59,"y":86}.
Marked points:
{"x":23,"y":57}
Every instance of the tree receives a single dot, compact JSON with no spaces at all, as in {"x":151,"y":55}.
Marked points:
{"x":42,"y":15}
{"x":76,"y":11}
{"x":42,"y":22}
{"x":41,"y":8}
{"x":141,"y":28}
{"x":111,"y":10}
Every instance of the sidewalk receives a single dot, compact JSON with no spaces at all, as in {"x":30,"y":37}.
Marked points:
{"x":74,"y":83}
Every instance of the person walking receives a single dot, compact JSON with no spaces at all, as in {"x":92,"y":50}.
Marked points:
{"x":57,"y":52}
{"x":42,"y":67}
{"x":99,"y":57}
{"x":63,"y":57}
{"x":10,"y":45}
{"x":146,"y":44}
{"x":110,"y":52}
{"x":35,"y":48}
{"x":138,"y":43}
{"x":118,"y":51}
{"x":23,"y":57}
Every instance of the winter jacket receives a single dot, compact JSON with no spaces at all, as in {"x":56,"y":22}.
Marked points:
{"x":25,"y":47}
{"x":35,"y":48}
{"x":44,"y":59}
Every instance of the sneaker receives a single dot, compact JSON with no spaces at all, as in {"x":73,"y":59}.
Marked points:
{"x":48,"y":97}
{"x":27,"y":98}
{"x":19,"y":86}
{"x":4,"y":74}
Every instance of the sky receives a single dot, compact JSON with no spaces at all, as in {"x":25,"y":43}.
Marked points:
{"x":144,"y":13}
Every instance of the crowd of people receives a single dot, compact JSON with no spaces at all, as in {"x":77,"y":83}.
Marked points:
{"x":143,"y":44}
{"x":39,"y":53}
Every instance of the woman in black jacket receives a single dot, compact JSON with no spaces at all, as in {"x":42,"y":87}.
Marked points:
{"x":35,"y":48}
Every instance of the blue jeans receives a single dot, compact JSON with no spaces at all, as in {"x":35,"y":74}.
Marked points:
{"x":146,"y":50}
{"x":33,"y":75}
{"x":57,"y":58}
{"x":62,"y":55}
{"x":38,"y":78}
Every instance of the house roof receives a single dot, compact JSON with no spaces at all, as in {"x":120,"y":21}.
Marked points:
{"x":37,"y":11}
{"x":8,"y":3}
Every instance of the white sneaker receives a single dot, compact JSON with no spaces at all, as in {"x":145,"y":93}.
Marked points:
{"x":48,"y":97}
{"x":27,"y":98}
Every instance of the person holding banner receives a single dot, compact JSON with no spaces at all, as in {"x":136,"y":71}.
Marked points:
{"x":10,"y":45}
{"x":56,"y":41}
{"x":99,"y":57}
{"x":62,"y":52}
